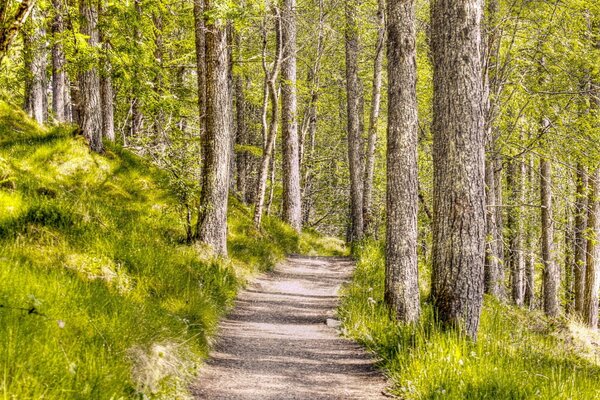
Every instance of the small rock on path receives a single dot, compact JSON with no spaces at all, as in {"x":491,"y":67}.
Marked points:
{"x":277,"y":345}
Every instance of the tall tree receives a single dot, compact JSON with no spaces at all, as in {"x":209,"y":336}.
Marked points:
{"x":374,"y":118}
{"x":292,"y":203}
{"x":355,"y":104}
{"x":551,"y":275}
{"x":59,"y":75}
{"x":89,"y":79}
{"x":592,"y":272}
{"x":458,"y":157}
{"x":516,"y":262}
{"x":106,"y":85}
{"x":401,"y":278}
{"x":270,"y":93}
{"x":212,"y":225}
{"x":580,"y":241}
{"x":36,"y":59}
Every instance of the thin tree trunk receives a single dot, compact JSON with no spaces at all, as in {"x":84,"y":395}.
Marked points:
{"x":458,"y":157}
{"x":309,"y":123}
{"x":212,"y":225}
{"x":35,"y":57}
{"x":551,"y":273}
{"x":292,"y":203}
{"x":241,"y":136}
{"x":106,"y":86}
{"x":530,"y":258}
{"x":592,"y":272}
{"x":59,"y":77}
{"x":401,"y":278}
{"x":89,"y":80}
{"x":374,"y":118}
{"x":355,"y":103}
{"x":269,"y":128}
{"x":493,"y":284}
{"x":516,"y":262}
{"x":580,"y":242}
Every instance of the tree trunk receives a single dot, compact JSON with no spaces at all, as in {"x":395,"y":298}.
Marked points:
{"x":106,"y":86}
{"x":580,"y":242}
{"x":269,"y":128}
{"x":241,"y":137}
{"x":292,"y":203}
{"x":492,"y":282}
{"x":59,"y":76}
{"x":200,"y":60}
{"x":458,"y":157}
{"x":374,"y":118}
{"x":401,"y":278}
{"x":354,"y":93}
{"x":309,"y":123}
{"x":551,"y":273}
{"x":516,"y":263}
{"x":592,"y":272}
{"x":89,"y":80}
{"x":530,"y":258}
{"x":217,"y":144}
{"x":35,"y":57}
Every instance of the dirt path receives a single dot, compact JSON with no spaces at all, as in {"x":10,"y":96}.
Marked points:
{"x":276,"y":344}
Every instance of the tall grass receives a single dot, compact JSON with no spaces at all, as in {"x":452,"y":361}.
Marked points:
{"x":100,"y":297}
{"x":519,"y":354}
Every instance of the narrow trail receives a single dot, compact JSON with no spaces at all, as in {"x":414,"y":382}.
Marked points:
{"x":276,"y":344}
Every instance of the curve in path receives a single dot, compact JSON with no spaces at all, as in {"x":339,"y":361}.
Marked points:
{"x":276,"y":344}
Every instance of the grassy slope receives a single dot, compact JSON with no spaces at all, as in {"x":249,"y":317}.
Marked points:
{"x":519,"y":354}
{"x":99,"y":297}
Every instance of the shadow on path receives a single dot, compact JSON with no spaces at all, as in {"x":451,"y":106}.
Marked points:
{"x":276,"y":345}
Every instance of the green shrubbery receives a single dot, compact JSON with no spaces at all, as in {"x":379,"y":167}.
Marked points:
{"x":519,"y":354}
{"x":100,"y":297}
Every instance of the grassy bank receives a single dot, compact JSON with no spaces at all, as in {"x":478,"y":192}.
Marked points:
{"x":519,"y":354}
{"x":100,"y":296}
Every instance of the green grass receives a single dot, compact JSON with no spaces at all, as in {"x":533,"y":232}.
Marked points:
{"x":100,"y":298}
{"x":519,"y":354}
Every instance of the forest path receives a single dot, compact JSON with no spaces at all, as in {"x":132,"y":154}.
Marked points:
{"x":276,"y":344}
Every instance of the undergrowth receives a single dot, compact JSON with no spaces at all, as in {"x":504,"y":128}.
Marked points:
{"x":519,"y":354}
{"x":100,"y":296}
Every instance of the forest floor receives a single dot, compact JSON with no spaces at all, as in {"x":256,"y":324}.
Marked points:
{"x":280,"y":341}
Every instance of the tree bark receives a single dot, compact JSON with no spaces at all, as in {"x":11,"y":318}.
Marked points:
{"x":458,"y":157}
{"x":354,"y":99}
{"x":200,"y":60}
{"x":59,"y":76}
{"x":551,"y":276}
{"x":217,"y":144}
{"x":401,"y":278}
{"x":35,"y":57}
{"x":592,"y":272}
{"x":292,"y":203}
{"x":309,"y":123}
{"x":89,"y":80}
{"x":492,"y":281}
{"x":530,"y":258}
{"x":516,"y":262}
{"x":374,"y":118}
{"x":270,"y":92}
{"x":241,"y":137}
{"x":580,"y":242}
{"x":106,"y":86}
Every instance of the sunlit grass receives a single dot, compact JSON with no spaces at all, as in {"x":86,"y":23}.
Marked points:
{"x":519,"y":354}
{"x":100,"y":297}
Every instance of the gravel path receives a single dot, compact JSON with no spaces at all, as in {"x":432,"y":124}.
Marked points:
{"x":276,"y":344}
